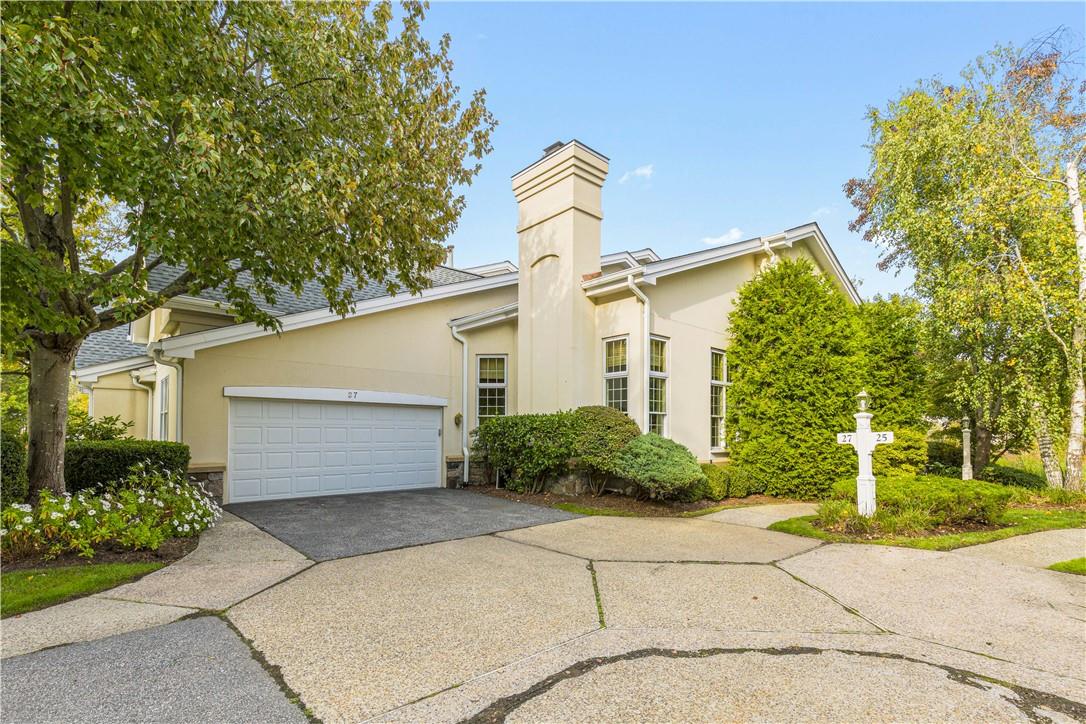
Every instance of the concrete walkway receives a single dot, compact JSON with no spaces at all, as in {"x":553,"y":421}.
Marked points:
{"x":1039,"y":550}
{"x":763,"y":516}
{"x":233,"y":561}
{"x":583,"y":620}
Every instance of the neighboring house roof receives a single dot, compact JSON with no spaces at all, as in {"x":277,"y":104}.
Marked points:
{"x":109,"y":346}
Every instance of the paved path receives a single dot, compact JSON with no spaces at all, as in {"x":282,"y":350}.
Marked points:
{"x":763,"y":516}
{"x":594,"y":619}
{"x":1039,"y":550}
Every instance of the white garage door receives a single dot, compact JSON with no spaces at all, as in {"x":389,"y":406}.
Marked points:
{"x":288,"y":449}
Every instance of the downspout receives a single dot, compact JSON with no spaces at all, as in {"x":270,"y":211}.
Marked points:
{"x":150,"y":401}
{"x":157,"y":356}
{"x":646,"y":316}
{"x":463,"y":403}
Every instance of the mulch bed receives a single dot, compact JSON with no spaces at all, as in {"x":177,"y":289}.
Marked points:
{"x":624,"y":503}
{"x":170,"y":551}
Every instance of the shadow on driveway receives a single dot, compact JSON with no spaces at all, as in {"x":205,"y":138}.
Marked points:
{"x":338,"y":526}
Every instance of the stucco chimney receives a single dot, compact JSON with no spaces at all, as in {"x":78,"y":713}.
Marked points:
{"x":558,"y":231}
{"x":449,"y":255}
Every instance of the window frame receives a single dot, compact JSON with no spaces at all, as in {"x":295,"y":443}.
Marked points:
{"x":720,"y":444}
{"x":665,"y":375}
{"x":480,"y":385}
{"x":618,"y":374}
{"x":164,"y":408}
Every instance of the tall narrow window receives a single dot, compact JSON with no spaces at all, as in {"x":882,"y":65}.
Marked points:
{"x":616,"y":373}
{"x":718,"y":380}
{"x":658,"y":372}
{"x":492,"y":386}
{"x":164,"y":408}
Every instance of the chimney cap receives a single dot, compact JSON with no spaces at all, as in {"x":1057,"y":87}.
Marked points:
{"x":553,"y":147}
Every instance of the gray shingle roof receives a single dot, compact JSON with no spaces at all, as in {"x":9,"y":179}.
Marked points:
{"x":108,"y":346}
{"x":113,"y":344}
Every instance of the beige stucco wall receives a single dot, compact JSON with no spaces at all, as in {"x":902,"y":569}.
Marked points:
{"x":409,"y":350}
{"x":115,"y":394}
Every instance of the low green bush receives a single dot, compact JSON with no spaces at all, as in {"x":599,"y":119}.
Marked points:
{"x":929,"y":499}
{"x":96,"y":464}
{"x":907,"y":454}
{"x":599,"y":436}
{"x":527,"y":449}
{"x":81,"y":426}
{"x":661,"y":467}
{"x":947,"y":454}
{"x":728,"y":481}
{"x":1006,"y":475}
{"x":141,"y":511}
{"x":13,"y":482}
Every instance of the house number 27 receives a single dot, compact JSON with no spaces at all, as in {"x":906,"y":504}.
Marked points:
{"x":352,"y":394}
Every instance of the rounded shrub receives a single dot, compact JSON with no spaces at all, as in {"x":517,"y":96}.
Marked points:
{"x":907,"y":454}
{"x":13,"y":481}
{"x":525,"y":450}
{"x":728,"y":481}
{"x":97,"y":464}
{"x":600,"y":434}
{"x":944,"y":453}
{"x":1006,"y":475}
{"x":661,"y":467}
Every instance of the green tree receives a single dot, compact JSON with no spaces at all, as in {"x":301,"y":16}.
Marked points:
{"x":975,"y":187}
{"x":893,"y":370}
{"x":254,"y":146}
{"x":793,"y":363}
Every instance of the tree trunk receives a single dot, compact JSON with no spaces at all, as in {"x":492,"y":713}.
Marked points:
{"x":982,"y":449}
{"x":48,"y":411}
{"x":1053,"y":471}
{"x":1073,"y":481}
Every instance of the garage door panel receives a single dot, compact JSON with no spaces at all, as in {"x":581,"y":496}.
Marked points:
{"x":282,"y":449}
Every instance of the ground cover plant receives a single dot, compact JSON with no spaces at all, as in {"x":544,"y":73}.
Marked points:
{"x":28,"y":590}
{"x":1075,"y":565}
{"x":139,"y":512}
{"x":939,"y":513}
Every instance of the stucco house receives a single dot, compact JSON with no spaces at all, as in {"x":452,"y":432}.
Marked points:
{"x":385,"y":398}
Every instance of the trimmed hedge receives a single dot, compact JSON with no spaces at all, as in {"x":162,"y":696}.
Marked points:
{"x":1006,"y":475}
{"x":728,"y":481}
{"x":527,"y":449}
{"x":96,"y":464}
{"x":661,"y":467}
{"x":13,"y":481}
{"x":946,"y":454}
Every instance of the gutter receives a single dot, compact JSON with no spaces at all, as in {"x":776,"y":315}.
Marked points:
{"x":646,"y":323}
{"x":463,"y":402}
{"x":171,"y":362}
{"x":134,"y":374}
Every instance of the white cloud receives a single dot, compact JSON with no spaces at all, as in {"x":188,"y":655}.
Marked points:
{"x":731,"y":235}
{"x":823,"y":211}
{"x":644,"y":172}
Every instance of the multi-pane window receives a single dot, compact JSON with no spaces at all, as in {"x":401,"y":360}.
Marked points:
{"x":492,"y":386}
{"x":164,"y":408}
{"x":658,"y":373}
{"x":718,"y":380}
{"x":616,"y":373}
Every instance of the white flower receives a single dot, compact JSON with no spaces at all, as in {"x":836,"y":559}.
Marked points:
{"x":142,"y":498}
{"x":73,"y":524}
{"x":28,"y":519}
{"x":186,"y":527}
{"x":91,"y":511}
{"x":106,"y":505}
{"x":19,"y":527}
{"x":56,"y":514}
{"x":3,"y":532}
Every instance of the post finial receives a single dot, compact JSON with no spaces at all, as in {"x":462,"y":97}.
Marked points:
{"x":863,"y":397}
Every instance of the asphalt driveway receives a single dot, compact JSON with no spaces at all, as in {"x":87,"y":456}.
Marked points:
{"x":339,"y":526}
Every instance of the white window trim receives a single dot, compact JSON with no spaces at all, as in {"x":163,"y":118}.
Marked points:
{"x":490,"y":385}
{"x":164,"y":409}
{"x":616,"y":375}
{"x":666,"y":376}
{"x":723,"y":385}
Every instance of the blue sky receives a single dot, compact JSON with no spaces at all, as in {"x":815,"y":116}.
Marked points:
{"x":721,"y":120}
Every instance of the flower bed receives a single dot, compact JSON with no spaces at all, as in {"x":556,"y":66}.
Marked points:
{"x":140,"y":512}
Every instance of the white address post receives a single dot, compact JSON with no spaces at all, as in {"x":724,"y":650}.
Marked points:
{"x":864,"y":441}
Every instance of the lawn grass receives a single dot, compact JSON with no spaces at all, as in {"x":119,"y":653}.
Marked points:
{"x":29,"y":590}
{"x":1018,"y":521}
{"x":1075,"y":565}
